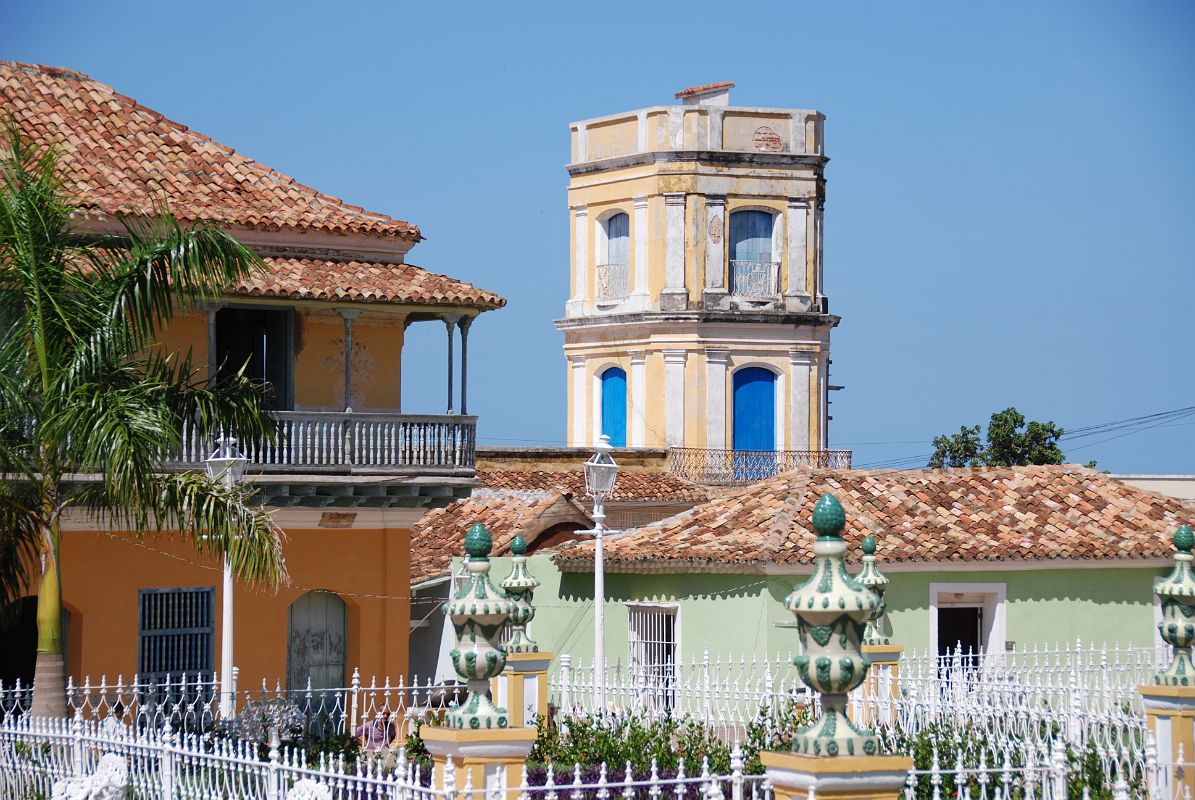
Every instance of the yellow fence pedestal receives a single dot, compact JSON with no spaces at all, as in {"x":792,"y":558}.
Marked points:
{"x":522,"y":688}
{"x":490,"y":760}
{"x":798,"y":777}
{"x":881,"y":687}
{"x":1170,"y":714}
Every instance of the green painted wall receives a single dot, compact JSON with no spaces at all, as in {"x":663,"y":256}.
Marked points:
{"x":736,"y":614}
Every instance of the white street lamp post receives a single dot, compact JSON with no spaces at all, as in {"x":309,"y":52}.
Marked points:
{"x":600,"y":473}
{"x":227,"y":465}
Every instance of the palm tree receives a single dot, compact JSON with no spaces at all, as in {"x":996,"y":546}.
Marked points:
{"x":90,"y":405}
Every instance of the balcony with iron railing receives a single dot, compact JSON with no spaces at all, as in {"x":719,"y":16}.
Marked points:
{"x":351,"y":442}
{"x":734,"y":467}
{"x":613,"y":282}
{"x":754,"y":279}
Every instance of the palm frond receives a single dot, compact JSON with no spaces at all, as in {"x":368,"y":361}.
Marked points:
{"x":21,"y":538}
{"x":214,"y":519}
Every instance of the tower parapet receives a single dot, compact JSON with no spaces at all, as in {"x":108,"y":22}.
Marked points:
{"x":696,"y":315}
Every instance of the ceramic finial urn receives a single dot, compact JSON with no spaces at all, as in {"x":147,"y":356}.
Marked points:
{"x":520,"y":586}
{"x":1177,"y":593}
{"x":832,"y":609}
{"x":478,"y":613}
{"x":870,"y":576}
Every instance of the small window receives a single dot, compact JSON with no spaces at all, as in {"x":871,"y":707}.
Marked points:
{"x":653,"y":644}
{"x":753,"y":268}
{"x":176,"y":633}
{"x":618,"y":239}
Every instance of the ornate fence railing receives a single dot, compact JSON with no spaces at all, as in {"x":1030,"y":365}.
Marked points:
{"x":726,"y":467}
{"x":754,"y":279}
{"x":317,"y":441}
{"x":613,"y":282}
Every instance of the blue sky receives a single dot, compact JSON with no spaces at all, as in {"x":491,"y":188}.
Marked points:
{"x":1011,"y":196}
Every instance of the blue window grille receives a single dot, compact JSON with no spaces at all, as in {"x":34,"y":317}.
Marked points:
{"x":176,"y":633}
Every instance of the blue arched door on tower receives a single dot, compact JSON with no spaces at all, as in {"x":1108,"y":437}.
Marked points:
{"x":614,"y":406}
{"x":754,"y":427}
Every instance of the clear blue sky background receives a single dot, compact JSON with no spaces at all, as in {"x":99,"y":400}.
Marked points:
{"x":1011,"y":197}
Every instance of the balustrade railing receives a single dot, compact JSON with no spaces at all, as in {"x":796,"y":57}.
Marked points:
{"x":329,"y":440}
{"x":727,"y":467}
{"x":613,"y":282}
{"x":754,"y":279}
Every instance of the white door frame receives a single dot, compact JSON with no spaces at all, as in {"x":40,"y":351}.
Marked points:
{"x":991,"y":597}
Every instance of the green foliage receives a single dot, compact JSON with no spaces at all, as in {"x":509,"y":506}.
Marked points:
{"x":85,"y":388}
{"x":1010,"y":442}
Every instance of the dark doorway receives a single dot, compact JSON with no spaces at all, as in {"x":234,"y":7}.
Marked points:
{"x":960,"y":627}
{"x":259,"y":340}
{"x":18,"y":643}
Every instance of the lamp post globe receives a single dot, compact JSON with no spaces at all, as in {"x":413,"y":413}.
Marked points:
{"x":227,"y":465}
{"x":600,"y":474}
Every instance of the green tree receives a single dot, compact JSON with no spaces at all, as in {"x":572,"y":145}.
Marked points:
{"x":86,"y":391}
{"x":1010,"y":442}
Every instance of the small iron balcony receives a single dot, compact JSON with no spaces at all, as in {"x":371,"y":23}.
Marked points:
{"x":754,"y":279}
{"x":613,"y":282}
{"x":731,"y":467}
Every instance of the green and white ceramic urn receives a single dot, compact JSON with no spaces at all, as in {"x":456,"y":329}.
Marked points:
{"x":871,"y":577}
{"x":1177,"y":593}
{"x":520,"y":586}
{"x":832,"y":609}
{"x":478,"y":613}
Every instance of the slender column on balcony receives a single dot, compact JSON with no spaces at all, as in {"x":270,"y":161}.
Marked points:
{"x":674,"y":398}
{"x":576,"y":306}
{"x":464,"y":325}
{"x":348,"y":315}
{"x":640,"y":231}
{"x":213,"y":361}
{"x":577,"y":437}
{"x":674,"y":297}
{"x":716,"y":360}
{"x":796,"y":293}
{"x":450,"y":322}
{"x":638,"y":398}
{"x":801,"y":363}
{"x":715,"y":258}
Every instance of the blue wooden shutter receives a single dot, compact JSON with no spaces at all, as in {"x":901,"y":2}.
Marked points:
{"x":618,"y":239}
{"x":754,"y":409}
{"x":614,"y":406}
{"x":751,"y":236}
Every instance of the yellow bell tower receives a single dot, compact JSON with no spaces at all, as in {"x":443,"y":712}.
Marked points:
{"x":696,"y":317}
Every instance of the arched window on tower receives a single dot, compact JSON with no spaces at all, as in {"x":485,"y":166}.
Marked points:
{"x":754,"y":267}
{"x":613,"y":274}
{"x":614,"y":406}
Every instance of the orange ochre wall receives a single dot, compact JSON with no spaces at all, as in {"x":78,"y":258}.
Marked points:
{"x":101,"y":575}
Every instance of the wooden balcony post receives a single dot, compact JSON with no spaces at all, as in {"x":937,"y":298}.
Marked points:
{"x":464,"y":325}
{"x":348,"y":315}
{"x":450,"y":322}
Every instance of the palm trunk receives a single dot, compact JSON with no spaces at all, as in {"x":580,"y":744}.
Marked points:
{"x":49,"y":674}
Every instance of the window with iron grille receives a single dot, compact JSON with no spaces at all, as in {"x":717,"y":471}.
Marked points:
{"x":653,"y":642}
{"x":177,"y":632}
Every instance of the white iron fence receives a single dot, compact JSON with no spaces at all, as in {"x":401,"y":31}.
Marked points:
{"x":36,"y":754}
{"x":193,"y":704}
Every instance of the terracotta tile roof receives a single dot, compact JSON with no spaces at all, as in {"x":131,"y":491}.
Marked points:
{"x":989,"y":514}
{"x":662,"y":487}
{"x":440,"y":534}
{"x":702,"y":89}
{"x":119,"y":156}
{"x":326,"y":279}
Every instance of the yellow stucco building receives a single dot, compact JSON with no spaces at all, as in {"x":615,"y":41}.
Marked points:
{"x":697,"y":317}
